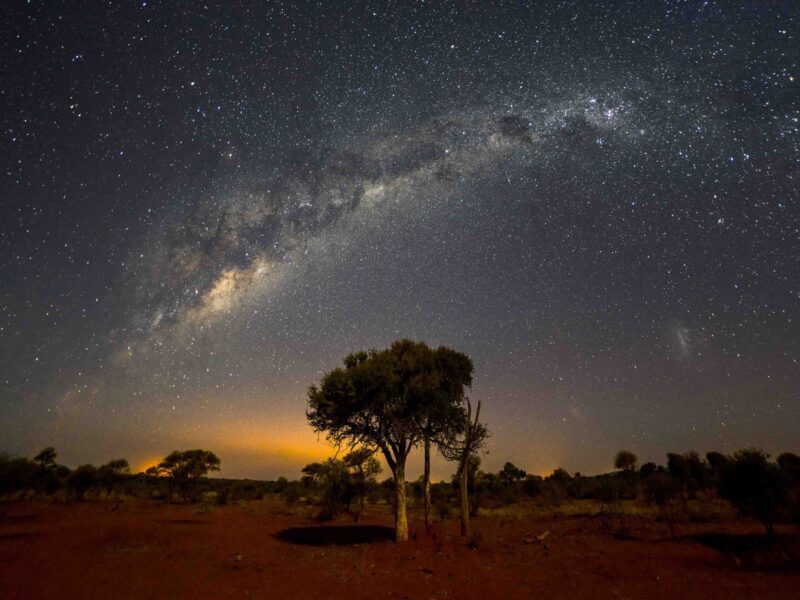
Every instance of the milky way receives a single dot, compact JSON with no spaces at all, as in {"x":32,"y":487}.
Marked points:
{"x":203,"y":209}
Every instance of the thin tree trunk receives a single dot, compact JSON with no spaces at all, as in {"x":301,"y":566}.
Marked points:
{"x":426,"y":484}
{"x":400,"y":517}
{"x":464,"y":497}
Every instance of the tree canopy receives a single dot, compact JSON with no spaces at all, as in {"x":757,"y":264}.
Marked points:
{"x":184,"y":468}
{"x":390,"y":400}
{"x":368,"y":402}
{"x":625,"y":460}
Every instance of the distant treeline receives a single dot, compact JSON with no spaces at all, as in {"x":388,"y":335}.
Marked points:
{"x":756,"y":486}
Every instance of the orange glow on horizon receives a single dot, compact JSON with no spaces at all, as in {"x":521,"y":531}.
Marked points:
{"x":260,"y":446}
{"x":146,"y":463}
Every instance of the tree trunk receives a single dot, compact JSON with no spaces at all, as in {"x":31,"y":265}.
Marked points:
{"x":400,"y":517}
{"x":464,"y":497}
{"x":426,"y":484}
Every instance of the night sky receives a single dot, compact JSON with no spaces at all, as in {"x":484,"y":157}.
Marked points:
{"x":204,"y":208}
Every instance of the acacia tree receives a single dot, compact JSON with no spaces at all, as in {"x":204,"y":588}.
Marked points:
{"x":366,"y":403}
{"x":437,"y":388}
{"x":46,"y":459}
{"x":81,"y":479}
{"x":510,"y":475}
{"x":49,"y":471}
{"x":625,"y":460}
{"x":337,"y":487}
{"x":111,"y":473}
{"x":311,"y":473}
{"x":755,"y":486}
{"x":185,"y":468}
{"x":460,"y":443}
{"x":790,"y":468}
{"x":364,"y":468}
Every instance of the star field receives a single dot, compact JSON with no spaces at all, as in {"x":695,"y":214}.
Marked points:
{"x":206,"y":207}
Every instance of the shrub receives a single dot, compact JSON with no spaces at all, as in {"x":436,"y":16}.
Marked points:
{"x":648,"y":469}
{"x":756,"y":487}
{"x":609,"y":494}
{"x":532,"y":485}
{"x":662,"y":490}
{"x":17,"y":474}
{"x":291,"y":494}
{"x":443,"y":510}
{"x":222,"y":496}
{"x":80,"y":480}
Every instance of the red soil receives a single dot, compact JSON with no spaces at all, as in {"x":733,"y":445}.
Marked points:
{"x":147,"y":550}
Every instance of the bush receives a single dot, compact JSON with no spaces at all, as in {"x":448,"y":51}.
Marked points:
{"x":756,"y":487}
{"x":17,"y":474}
{"x":222,"y":496}
{"x":662,"y":490}
{"x":291,"y":494}
{"x":532,"y":485}
{"x":80,"y":480}
{"x":610,"y":495}
{"x":443,"y":510}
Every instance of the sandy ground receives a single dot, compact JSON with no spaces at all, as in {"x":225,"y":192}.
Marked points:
{"x":149,"y":550}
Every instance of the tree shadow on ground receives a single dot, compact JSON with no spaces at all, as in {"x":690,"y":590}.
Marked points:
{"x":336,"y":535}
{"x":757,"y":552}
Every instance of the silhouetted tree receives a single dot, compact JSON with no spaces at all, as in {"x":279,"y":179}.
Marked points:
{"x":689,"y":472}
{"x":717,"y":463}
{"x":610,"y":492}
{"x":111,"y":473}
{"x":532,"y":485}
{"x":370,"y":402}
{"x":81,"y":480}
{"x":292,"y":493}
{"x":46,"y":459}
{"x":790,"y":463}
{"x":460,"y":443}
{"x":184,"y":469}
{"x":510,"y":474}
{"x":625,"y":460}
{"x":438,"y":380}
{"x":648,"y":469}
{"x":478,"y":483}
{"x":790,"y":467}
{"x":48,"y":470}
{"x":754,"y":486}
{"x":364,"y":470}
{"x":663,"y":491}
{"x":310,"y":473}
{"x":557,"y":485}
{"x":18,"y":474}
{"x":337,"y":487}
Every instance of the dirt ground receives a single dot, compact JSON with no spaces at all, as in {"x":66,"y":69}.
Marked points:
{"x":148,"y":550}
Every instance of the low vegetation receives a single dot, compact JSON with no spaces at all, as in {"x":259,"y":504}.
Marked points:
{"x":388,"y":402}
{"x":686,"y":489}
